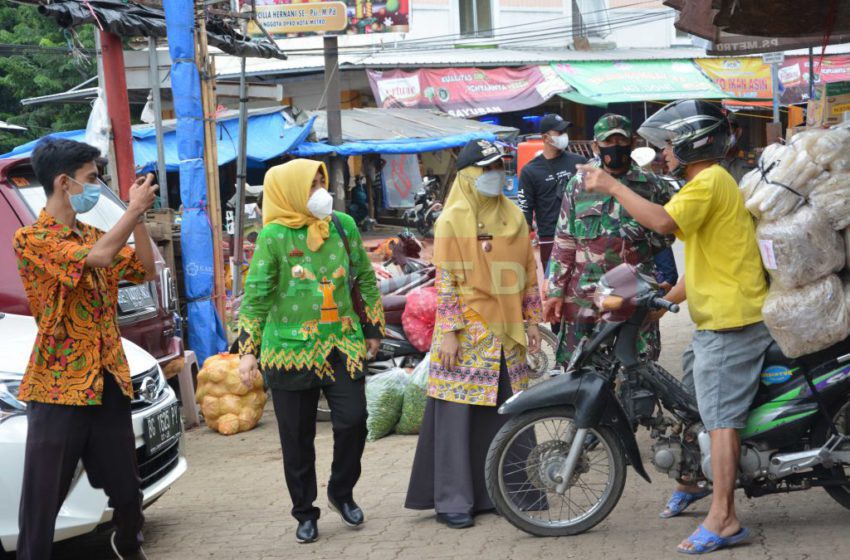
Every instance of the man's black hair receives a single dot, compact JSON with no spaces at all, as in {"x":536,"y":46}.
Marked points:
{"x":57,"y":156}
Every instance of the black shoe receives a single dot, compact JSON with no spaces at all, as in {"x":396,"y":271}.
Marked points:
{"x":456,"y":520}
{"x":350,"y":512}
{"x":308,"y":531}
{"x":138,"y":555}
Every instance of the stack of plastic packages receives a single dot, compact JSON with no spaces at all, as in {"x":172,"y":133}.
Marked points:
{"x":800,"y":195}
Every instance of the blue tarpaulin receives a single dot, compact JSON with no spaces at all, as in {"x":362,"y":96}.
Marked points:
{"x":402,"y":146}
{"x":206,"y":331}
{"x":269,"y":136}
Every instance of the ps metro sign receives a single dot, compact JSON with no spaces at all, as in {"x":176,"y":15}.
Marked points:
{"x":284,"y":19}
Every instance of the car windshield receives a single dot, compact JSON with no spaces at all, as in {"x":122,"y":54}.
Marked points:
{"x":103,"y":216}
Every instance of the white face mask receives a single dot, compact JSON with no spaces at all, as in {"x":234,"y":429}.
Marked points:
{"x":561,"y":141}
{"x":490,"y":183}
{"x":321,"y":204}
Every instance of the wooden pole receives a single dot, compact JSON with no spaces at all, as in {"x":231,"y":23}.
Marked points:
{"x":206,"y":67}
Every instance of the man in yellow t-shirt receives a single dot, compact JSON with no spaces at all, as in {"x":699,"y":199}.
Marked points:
{"x":725,"y":287}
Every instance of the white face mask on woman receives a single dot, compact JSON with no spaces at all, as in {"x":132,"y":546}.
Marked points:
{"x":491,"y":183}
{"x":321,"y":204}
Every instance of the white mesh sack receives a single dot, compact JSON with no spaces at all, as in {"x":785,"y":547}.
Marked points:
{"x":832,"y":198}
{"x":800,"y":248}
{"x":783,"y":181}
{"x":807,"y":319}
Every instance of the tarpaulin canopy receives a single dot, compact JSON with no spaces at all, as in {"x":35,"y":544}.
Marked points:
{"x":134,"y":20}
{"x":399,"y":131}
{"x":269,"y":136}
{"x":600,"y":83}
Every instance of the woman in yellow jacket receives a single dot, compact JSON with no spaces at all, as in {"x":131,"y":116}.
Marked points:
{"x":487,"y":315}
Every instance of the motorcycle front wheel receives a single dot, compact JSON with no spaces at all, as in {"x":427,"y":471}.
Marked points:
{"x":522,"y":474}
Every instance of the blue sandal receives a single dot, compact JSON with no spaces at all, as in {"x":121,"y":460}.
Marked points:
{"x":680,"y":501}
{"x":704,"y":541}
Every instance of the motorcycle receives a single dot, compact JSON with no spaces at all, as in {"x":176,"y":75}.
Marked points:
{"x":558,"y":466}
{"x":426,"y":209}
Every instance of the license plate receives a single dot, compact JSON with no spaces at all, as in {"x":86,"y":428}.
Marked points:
{"x":161,"y":428}
{"x":133,"y":298}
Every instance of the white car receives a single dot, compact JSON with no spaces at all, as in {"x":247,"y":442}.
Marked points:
{"x":156,"y":423}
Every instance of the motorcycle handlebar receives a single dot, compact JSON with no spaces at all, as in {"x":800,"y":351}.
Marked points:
{"x":661,"y":303}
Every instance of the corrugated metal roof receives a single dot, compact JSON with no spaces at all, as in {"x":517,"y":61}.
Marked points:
{"x":395,"y":124}
{"x":228,"y":66}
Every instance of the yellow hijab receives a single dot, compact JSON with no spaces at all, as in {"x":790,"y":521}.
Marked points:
{"x":286,"y":189}
{"x":492,"y":283}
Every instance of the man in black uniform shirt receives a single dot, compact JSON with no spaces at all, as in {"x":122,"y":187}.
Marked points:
{"x":542,"y":181}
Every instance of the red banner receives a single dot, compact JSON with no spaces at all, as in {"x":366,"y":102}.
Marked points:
{"x":467,"y":92}
{"x":794,"y":75}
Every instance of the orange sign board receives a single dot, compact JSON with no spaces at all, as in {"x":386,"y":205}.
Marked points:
{"x":743,"y":78}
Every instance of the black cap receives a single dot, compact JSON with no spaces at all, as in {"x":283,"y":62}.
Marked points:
{"x":553,"y":122}
{"x":480,"y":153}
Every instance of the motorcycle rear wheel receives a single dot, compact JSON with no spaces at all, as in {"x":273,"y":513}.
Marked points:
{"x":841,"y":416}
{"x":529,"y":448}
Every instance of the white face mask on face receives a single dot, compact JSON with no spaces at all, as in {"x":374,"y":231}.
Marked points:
{"x":561,"y":141}
{"x":321,"y":204}
{"x":491,"y":183}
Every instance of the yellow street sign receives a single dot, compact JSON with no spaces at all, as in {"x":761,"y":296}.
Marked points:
{"x":283,"y":19}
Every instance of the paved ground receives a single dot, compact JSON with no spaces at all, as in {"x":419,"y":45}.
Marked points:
{"x":233,"y":505}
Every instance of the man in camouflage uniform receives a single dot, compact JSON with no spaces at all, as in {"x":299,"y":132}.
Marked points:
{"x":594,"y":234}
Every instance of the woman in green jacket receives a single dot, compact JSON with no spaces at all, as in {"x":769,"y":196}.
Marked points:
{"x":299,"y":320}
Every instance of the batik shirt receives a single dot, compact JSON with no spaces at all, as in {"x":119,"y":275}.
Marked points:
{"x":297,"y":307}
{"x":475,"y":378}
{"x":595,"y":234}
{"x":75,"y":310}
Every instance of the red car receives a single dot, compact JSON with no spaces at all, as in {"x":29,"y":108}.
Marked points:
{"x":146,"y":312}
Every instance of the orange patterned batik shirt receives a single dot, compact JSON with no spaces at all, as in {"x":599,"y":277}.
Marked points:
{"x":75,"y":308}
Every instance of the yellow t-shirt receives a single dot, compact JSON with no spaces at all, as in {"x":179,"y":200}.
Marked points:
{"x":724,"y":278}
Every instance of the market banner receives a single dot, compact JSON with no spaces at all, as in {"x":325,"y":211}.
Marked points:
{"x":364,"y":17}
{"x":742,"y":78}
{"x":466,"y":92}
{"x":642,"y":80}
{"x":794,"y":75}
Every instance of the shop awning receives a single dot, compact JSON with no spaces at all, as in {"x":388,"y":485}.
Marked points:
{"x":269,"y":136}
{"x":399,"y":131}
{"x":601,"y":83}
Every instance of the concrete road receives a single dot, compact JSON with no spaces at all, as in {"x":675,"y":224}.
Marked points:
{"x":233,"y":505}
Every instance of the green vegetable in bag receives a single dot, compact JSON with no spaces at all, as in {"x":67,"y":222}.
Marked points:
{"x":384,"y":397}
{"x":415,"y":398}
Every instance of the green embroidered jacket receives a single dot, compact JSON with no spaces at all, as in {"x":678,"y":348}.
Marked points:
{"x":297,"y":306}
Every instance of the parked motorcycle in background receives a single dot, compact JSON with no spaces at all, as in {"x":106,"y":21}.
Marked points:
{"x":426,"y":208}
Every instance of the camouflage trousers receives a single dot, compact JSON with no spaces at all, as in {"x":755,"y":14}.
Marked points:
{"x":576,"y":327}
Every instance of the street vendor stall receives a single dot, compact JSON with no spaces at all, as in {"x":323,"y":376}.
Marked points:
{"x":393,"y":148}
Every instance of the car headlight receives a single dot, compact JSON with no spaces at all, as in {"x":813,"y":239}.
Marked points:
{"x":10,"y":406}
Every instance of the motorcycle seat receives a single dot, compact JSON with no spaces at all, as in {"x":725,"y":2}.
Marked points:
{"x":774,"y":356}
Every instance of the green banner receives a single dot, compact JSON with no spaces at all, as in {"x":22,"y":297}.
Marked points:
{"x":600,"y":83}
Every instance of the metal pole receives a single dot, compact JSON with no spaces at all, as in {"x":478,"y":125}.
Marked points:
{"x":774,"y":78}
{"x":811,"y":74}
{"x":334,"y":118}
{"x":153,"y":61}
{"x":241,"y":172}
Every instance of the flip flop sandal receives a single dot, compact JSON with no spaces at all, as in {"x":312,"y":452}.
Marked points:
{"x":680,"y":501}
{"x":704,"y":541}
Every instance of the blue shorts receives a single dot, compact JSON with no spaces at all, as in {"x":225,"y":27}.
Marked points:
{"x":723,"y":369}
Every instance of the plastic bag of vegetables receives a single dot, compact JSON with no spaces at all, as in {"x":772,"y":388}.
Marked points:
{"x":229,"y":407}
{"x":415,"y":398}
{"x":832,"y":197}
{"x":384,"y":400}
{"x":780,"y":185}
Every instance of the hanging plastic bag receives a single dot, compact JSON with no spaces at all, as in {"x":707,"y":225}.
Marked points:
{"x":415,"y":399}
{"x":800,"y":248}
{"x":808,"y":319}
{"x":97,"y":128}
{"x":384,"y":399}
